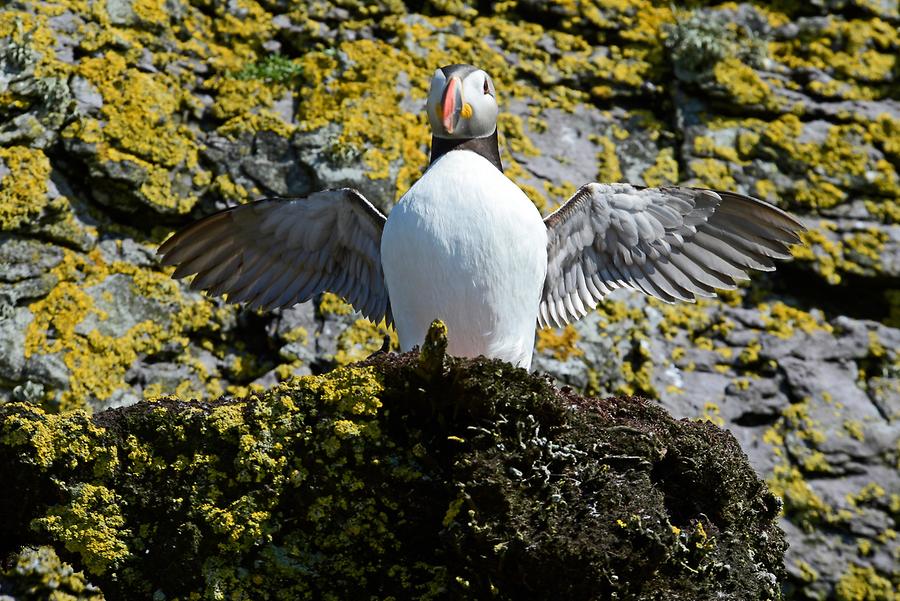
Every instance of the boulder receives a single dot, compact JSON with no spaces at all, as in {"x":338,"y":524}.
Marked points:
{"x":404,"y":476}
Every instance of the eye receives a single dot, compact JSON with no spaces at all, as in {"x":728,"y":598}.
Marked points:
{"x":487,"y":87}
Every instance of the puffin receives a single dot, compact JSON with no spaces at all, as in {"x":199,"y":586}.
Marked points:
{"x":465,"y":244}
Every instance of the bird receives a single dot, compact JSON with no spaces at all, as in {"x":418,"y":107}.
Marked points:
{"x":465,"y":244}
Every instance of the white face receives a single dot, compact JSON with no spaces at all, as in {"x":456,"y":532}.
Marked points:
{"x":462,"y":107}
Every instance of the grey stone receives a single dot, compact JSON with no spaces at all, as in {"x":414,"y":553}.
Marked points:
{"x":29,"y":392}
{"x":822,"y":346}
{"x":87,"y":98}
{"x":284,"y":108}
{"x":751,"y":440}
{"x":22,"y":258}
{"x":572,"y":372}
{"x":49,"y":369}
{"x":758,"y":399}
{"x":122,"y":305}
{"x":834,"y":380}
{"x":32,"y":288}
{"x":567,"y":153}
{"x":826,"y":555}
{"x":121,"y":397}
{"x":885,"y":395}
{"x":337,"y":166}
{"x":301,"y":315}
{"x":13,"y":325}
{"x":127,"y":250}
{"x":701,"y":390}
{"x":121,"y":12}
{"x":168,"y":375}
{"x":274,"y":167}
{"x":775,"y":347}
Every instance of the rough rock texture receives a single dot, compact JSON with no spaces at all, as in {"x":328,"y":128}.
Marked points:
{"x":37,"y":574}
{"x":123,"y":120}
{"x":409,"y":477}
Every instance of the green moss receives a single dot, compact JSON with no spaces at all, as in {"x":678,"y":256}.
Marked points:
{"x":472,"y":479}
{"x":807,"y":572}
{"x":712,"y":173}
{"x":244,"y":104}
{"x":335,"y":305}
{"x":608,"y":169}
{"x":801,"y":503}
{"x":275,"y":68}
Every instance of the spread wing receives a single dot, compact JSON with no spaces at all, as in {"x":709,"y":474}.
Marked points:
{"x":671,"y":243}
{"x":277,"y":252}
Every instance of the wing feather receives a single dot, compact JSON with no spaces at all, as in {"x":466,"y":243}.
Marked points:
{"x":279,"y":251}
{"x":671,"y":243}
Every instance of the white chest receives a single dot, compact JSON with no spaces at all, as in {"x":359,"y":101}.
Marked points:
{"x":465,"y":245}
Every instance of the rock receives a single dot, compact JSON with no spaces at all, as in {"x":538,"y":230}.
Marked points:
{"x":47,"y":368}
{"x":47,"y":101}
{"x":322,"y":152}
{"x":265,"y":162}
{"x":13,"y":323}
{"x":298,"y":328}
{"x":760,"y":399}
{"x":128,"y":251}
{"x":469,"y":477}
{"x":23,"y":258}
{"x":117,"y":128}
{"x":38,"y":573}
{"x":836,"y":381}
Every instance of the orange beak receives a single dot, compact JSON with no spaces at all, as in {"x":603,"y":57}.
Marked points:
{"x":451,"y":104}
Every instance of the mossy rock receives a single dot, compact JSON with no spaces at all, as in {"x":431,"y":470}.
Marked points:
{"x":393,"y":478}
{"x":37,"y":574}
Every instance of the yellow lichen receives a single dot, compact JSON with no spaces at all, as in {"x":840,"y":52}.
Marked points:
{"x":741,"y":81}
{"x":664,"y":171}
{"x":561,"y":344}
{"x":334,"y":304}
{"x":97,"y":362}
{"x":23,"y":191}
{"x":90,"y":525}
{"x":608,"y":169}
{"x":783,"y":320}
{"x":863,"y":583}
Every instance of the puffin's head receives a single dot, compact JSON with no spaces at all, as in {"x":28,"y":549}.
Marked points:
{"x":462,"y":103}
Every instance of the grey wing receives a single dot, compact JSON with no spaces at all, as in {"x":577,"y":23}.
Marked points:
{"x":278,"y":252}
{"x":671,"y":243}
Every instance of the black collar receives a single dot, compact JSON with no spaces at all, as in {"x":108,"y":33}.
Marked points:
{"x":488,"y":147}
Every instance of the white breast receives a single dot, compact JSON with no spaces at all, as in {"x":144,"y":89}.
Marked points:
{"x":465,"y":245}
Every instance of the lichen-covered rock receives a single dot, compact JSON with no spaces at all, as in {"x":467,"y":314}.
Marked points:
{"x":403,"y":477}
{"x":37,"y":574}
{"x":123,"y":120}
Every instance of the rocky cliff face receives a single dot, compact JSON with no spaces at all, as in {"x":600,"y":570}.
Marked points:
{"x":122,"y":120}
